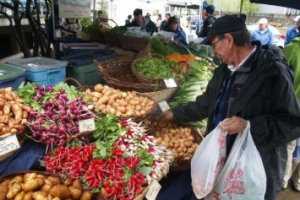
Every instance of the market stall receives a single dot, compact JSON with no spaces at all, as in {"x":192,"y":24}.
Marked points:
{"x":84,"y":127}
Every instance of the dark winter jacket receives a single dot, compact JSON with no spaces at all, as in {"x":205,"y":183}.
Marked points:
{"x":262,"y":93}
{"x":207,"y":24}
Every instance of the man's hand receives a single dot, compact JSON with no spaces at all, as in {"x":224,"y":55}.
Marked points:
{"x":233,"y":125}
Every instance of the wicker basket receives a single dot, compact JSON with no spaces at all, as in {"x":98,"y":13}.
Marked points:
{"x":117,"y":74}
{"x":133,"y":43}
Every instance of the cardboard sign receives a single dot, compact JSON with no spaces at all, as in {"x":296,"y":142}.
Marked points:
{"x":170,"y":83}
{"x":87,"y":125}
{"x":9,"y":144}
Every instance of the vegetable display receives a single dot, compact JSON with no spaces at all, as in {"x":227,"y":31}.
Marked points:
{"x":178,"y":58}
{"x":35,"y":96}
{"x":194,"y":83}
{"x":13,"y":113}
{"x":155,"y":68}
{"x":119,"y":164}
{"x":122,"y":104}
{"x":183,"y":141}
{"x":164,"y":48}
{"x":56,"y":113}
{"x":36,"y":186}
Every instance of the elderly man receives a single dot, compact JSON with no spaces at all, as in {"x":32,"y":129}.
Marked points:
{"x":253,"y":84}
{"x":263,"y":34}
{"x":294,"y":31}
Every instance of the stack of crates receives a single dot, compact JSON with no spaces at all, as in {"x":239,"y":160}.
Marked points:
{"x":42,"y":71}
{"x":82,"y":58}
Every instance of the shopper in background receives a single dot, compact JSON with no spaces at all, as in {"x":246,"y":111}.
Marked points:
{"x":149,"y":25}
{"x":138,"y":19}
{"x":208,"y":20}
{"x":253,"y":84}
{"x":164,"y":23}
{"x":293,"y":162}
{"x":158,"y":21}
{"x":263,"y":34}
{"x":174,"y":26}
{"x":294,"y":31}
{"x":128,"y":20}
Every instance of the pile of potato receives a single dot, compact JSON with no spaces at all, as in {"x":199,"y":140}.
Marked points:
{"x":122,"y":104}
{"x":13,"y":114}
{"x":34,"y":186}
{"x":180,"y":140}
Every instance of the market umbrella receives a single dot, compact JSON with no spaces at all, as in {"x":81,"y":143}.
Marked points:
{"x":285,"y":3}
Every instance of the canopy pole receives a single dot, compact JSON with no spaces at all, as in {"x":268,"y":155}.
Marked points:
{"x":241,"y":6}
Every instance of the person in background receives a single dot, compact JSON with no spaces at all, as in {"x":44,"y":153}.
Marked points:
{"x":253,"y":84}
{"x":145,"y":23}
{"x":149,"y":25}
{"x":293,"y":59}
{"x":138,"y":19}
{"x":164,"y":23}
{"x":208,"y":20}
{"x":263,"y":34}
{"x":294,"y":31}
{"x":174,"y":26}
{"x":128,"y":20}
{"x":158,"y":21}
{"x":102,"y":20}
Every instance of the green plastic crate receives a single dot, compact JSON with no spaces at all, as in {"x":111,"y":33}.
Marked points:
{"x":85,"y":74}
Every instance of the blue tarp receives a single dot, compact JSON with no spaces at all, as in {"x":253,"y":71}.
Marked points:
{"x":26,"y":158}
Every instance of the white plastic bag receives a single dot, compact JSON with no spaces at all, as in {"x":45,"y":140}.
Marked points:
{"x":243,"y":176}
{"x":207,"y":162}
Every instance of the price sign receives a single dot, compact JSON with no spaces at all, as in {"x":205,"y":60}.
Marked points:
{"x":9,"y":144}
{"x":170,"y":83}
{"x":87,"y":125}
{"x":153,"y":191}
{"x":164,"y":106}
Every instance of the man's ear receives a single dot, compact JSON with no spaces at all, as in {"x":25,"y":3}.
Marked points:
{"x":230,"y":40}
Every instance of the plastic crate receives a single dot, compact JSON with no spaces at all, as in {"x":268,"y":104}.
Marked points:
{"x":11,"y":76}
{"x":83,"y":68}
{"x":87,"y":75}
{"x":42,"y":71}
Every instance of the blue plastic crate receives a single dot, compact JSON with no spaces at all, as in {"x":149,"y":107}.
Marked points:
{"x":11,"y":76}
{"x":42,"y":71}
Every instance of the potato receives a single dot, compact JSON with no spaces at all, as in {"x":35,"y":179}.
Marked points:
{"x":54,"y":180}
{"x":4,"y":189}
{"x":14,"y":190}
{"x":32,"y":184}
{"x":75,"y":192}
{"x":68,"y":182}
{"x":28,"y":196}
{"x":46,"y":188}
{"x":60,"y":191}
{"x":86,"y":196}
{"x":29,"y":176}
{"x":39,"y":196}
{"x":20,"y":196}
{"x":17,"y":179}
{"x":77,"y":184}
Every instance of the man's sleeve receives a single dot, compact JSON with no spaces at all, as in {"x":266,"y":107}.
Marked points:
{"x":283,"y":124}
